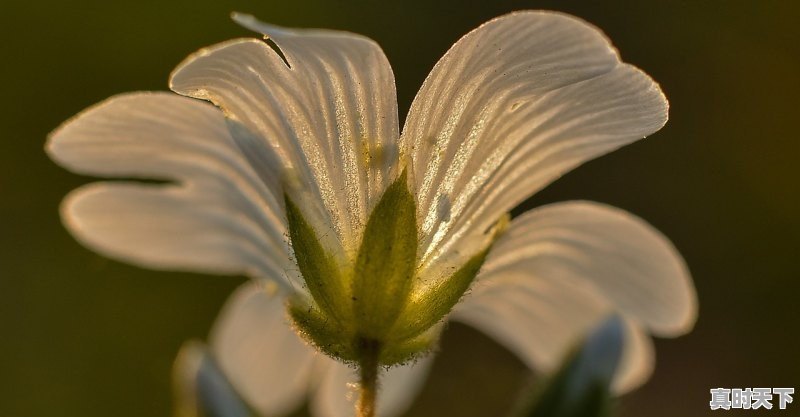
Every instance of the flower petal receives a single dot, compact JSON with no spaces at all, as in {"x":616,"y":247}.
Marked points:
{"x":638,"y":359}
{"x":262,"y":356}
{"x":541,"y":320}
{"x":512,"y":106}
{"x":329,"y":113}
{"x":612,"y":252}
{"x":399,"y":386}
{"x":170,"y":228}
{"x":220,"y":216}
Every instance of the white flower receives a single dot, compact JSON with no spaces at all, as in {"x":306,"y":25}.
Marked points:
{"x":512,"y":106}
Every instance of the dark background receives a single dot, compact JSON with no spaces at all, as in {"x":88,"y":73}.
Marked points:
{"x":87,"y":337}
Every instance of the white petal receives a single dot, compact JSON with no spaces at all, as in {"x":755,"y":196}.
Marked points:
{"x":612,"y":252}
{"x":262,"y":356}
{"x":220,"y":216}
{"x":185,"y":372}
{"x":536,"y":318}
{"x":638,"y":359}
{"x":337,"y":392}
{"x":512,"y":106}
{"x":541,"y":321}
{"x":399,"y":386}
{"x":169,"y":227}
{"x":330,"y":116}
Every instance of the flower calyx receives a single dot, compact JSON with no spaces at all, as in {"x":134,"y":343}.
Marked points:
{"x":375,"y":299}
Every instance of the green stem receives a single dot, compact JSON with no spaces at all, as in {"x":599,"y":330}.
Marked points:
{"x":369,"y":353}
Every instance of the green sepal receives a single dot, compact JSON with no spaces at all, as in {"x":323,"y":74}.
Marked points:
{"x":326,"y":282}
{"x":429,"y":308}
{"x":372,"y":299}
{"x":324,"y":333}
{"x":386,"y":261}
{"x":406,"y":351}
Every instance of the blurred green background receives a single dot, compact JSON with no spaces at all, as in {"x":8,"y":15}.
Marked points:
{"x":87,"y":337}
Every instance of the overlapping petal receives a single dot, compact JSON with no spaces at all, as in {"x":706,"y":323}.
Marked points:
{"x":327,"y":116}
{"x":615,"y":253}
{"x":275,"y":371}
{"x":562,"y":267}
{"x":259,"y":352}
{"x":512,"y":106}
{"x":213,"y":215}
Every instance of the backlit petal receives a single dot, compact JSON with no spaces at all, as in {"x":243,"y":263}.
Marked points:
{"x":512,"y":106}
{"x":328,"y":115}
{"x":612,"y":252}
{"x":562,"y":267}
{"x":540,"y":320}
{"x":216,"y":215}
{"x":262,"y":356}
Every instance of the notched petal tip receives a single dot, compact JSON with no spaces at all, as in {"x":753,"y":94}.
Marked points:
{"x":182,"y":78}
{"x":250,"y":22}
{"x":245,"y":20}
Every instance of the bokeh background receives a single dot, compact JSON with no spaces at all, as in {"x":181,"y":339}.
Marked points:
{"x":84,"y":336}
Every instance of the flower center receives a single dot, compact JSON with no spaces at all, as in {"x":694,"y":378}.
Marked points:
{"x":374,"y":299}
